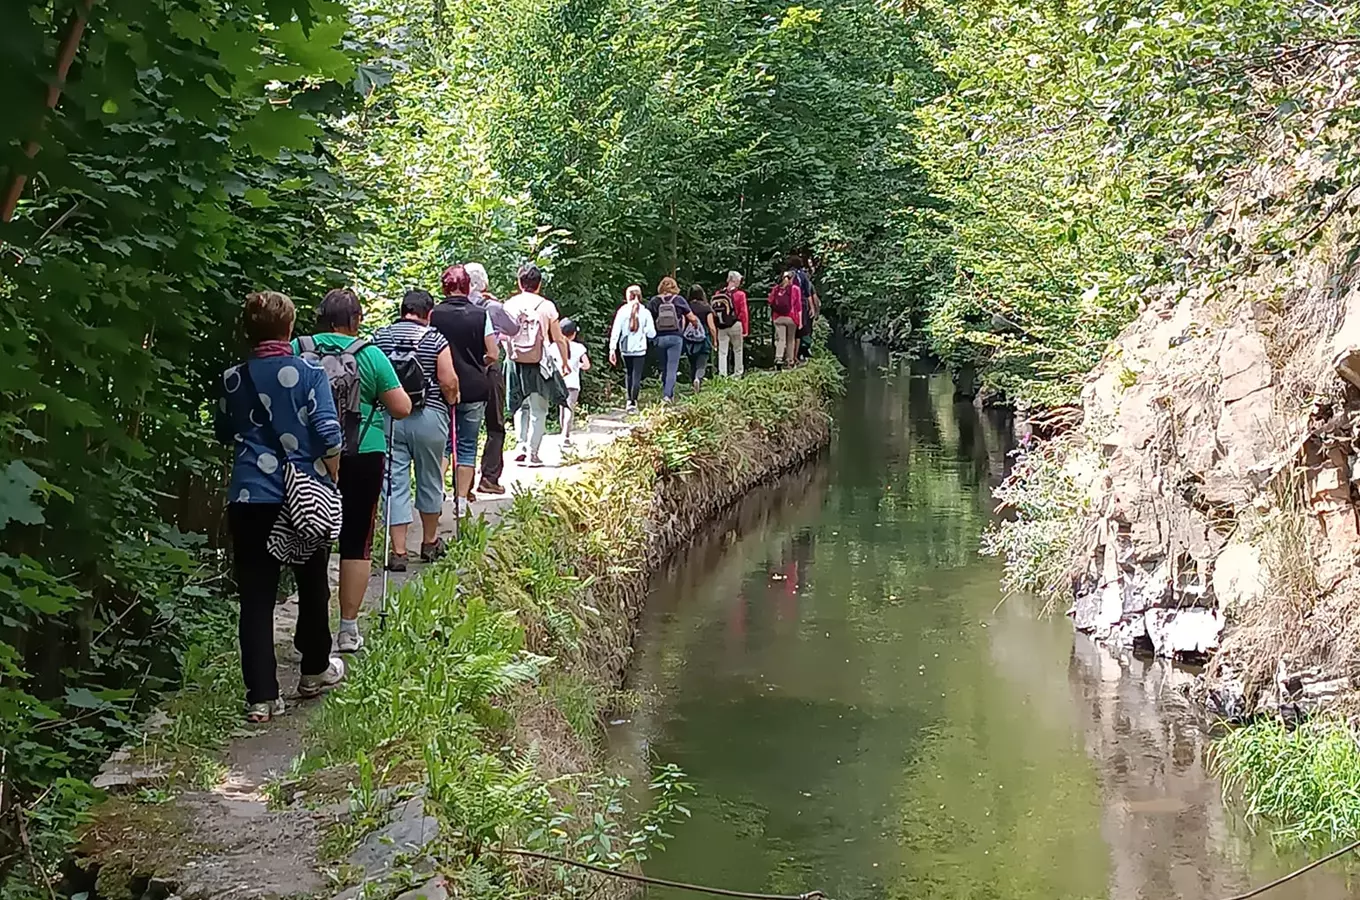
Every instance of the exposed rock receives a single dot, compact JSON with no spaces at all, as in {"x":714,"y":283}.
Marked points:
{"x":1347,"y":365}
{"x":124,"y":770}
{"x":1226,"y":695}
{"x":1183,"y":631}
{"x":407,"y":835}
{"x":434,"y":889}
{"x":1238,"y":578}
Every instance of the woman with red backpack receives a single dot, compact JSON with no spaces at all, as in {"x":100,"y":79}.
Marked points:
{"x":786,"y":308}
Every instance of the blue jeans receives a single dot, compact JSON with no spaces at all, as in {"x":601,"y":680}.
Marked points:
{"x":467,"y":421}
{"x":418,"y":439}
{"x":669,"y":346}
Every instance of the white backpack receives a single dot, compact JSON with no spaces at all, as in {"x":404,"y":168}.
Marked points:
{"x":527,"y":346}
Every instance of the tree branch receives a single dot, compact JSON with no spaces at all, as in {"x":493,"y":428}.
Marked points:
{"x":65,"y":56}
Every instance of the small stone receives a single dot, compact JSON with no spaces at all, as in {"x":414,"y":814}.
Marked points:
{"x":434,"y":889}
{"x":409,"y":834}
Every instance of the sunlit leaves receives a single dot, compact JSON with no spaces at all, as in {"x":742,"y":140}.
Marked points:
{"x":179,"y":172}
{"x":1077,"y":144}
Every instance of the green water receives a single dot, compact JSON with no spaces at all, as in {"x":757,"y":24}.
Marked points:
{"x":860,"y":713}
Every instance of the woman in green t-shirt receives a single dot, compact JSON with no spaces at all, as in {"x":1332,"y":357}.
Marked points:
{"x":361,"y":469}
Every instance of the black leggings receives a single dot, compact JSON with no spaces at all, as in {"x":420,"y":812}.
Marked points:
{"x":257,"y":582}
{"x":635,"y":365}
{"x":361,"y":483}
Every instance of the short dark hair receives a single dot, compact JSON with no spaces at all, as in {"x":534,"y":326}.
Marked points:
{"x":340,"y":308}
{"x":417,"y":303}
{"x":568,"y":327}
{"x":530,"y":278}
{"x":696,"y":292}
{"x":794,"y":262}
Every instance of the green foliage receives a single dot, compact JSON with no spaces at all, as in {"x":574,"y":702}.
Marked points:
{"x":617,"y":142}
{"x":184,"y":167}
{"x":1048,"y":505}
{"x":1078,"y":145}
{"x":1302,"y":782}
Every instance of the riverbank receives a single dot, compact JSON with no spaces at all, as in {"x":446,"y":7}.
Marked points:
{"x":472,"y":721}
{"x":1204,"y":508}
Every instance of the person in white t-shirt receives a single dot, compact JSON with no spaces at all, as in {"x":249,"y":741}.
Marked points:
{"x":528,"y":384}
{"x":579,"y":362}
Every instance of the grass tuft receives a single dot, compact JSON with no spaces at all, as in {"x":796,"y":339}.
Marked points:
{"x":1303,"y":783}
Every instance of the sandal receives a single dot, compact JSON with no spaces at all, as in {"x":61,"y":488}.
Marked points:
{"x":260,"y":713}
{"x":430,"y":552}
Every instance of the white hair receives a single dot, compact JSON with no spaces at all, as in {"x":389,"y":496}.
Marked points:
{"x":733,"y":278}
{"x":477,"y":278}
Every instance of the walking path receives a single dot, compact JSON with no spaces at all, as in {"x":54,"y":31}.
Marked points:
{"x":236,"y":846}
{"x":561,"y":463}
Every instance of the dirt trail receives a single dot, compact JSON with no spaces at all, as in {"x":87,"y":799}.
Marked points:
{"x":229,"y":843}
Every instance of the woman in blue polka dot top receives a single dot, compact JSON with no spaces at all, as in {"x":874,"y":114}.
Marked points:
{"x":276,"y":409}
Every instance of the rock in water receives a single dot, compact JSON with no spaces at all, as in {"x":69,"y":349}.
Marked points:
{"x":1174,"y":631}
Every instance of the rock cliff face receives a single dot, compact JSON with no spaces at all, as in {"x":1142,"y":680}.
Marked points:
{"x":1223,"y":520}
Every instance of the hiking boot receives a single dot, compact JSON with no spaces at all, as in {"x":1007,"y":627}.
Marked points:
{"x":430,"y":552}
{"x":259,"y":713}
{"x":490,"y":487}
{"x":396,"y":562}
{"x":315,"y":685}
{"x":349,"y":641}
{"x":534,"y":461}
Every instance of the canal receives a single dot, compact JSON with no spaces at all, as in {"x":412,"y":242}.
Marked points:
{"x":860,"y":711}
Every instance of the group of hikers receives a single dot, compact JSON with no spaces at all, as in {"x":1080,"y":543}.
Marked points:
{"x":326,"y":425}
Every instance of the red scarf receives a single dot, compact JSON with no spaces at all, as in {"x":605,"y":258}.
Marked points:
{"x":266,"y":349}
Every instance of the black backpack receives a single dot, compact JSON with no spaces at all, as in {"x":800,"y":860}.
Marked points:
{"x":724,"y":311}
{"x":406,"y":361}
{"x":342,"y":369}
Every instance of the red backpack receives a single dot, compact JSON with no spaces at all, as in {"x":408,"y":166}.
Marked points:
{"x":781,"y":301}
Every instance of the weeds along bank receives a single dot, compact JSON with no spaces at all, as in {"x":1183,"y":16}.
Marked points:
{"x":1206,"y":505}
{"x":481,"y":701}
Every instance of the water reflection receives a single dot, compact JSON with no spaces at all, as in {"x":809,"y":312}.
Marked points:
{"x":833,"y":669}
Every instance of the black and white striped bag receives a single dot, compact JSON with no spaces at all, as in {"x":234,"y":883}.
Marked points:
{"x":310,"y":518}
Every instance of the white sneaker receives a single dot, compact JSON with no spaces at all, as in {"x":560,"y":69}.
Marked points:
{"x":349,"y":641}
{"x":314,"y":685}
{"x":259,"y":713}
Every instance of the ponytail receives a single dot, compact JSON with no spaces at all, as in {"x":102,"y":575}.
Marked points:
{"x":634,"y":296}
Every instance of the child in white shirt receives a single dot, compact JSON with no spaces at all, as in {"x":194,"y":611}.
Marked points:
{"x":578,"y":363}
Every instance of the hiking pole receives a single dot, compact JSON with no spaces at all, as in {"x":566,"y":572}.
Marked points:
{"x":453,"y":441}
{"x":387,"y":529}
